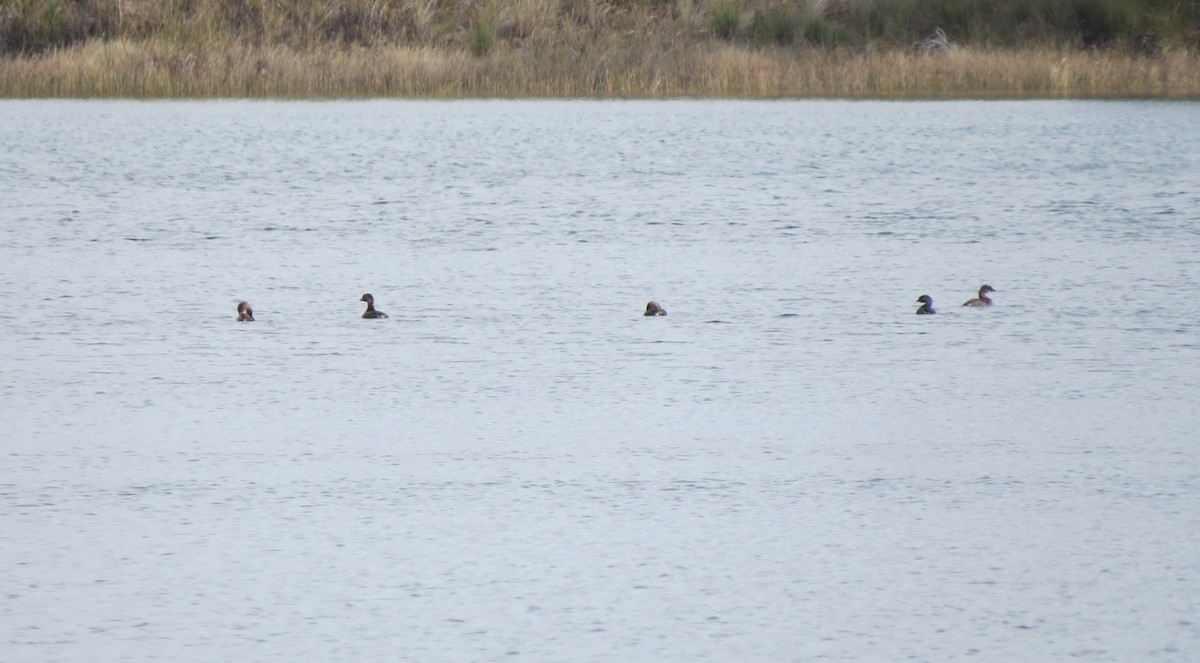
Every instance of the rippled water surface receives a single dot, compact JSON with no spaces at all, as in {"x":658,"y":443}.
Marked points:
{"x":517,"y":465}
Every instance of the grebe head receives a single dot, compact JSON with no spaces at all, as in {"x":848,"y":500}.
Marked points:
{"x":245,"y":312}
{"x":926,"y":305}
{"x":654,"y":308}
{"x":368,"y":299}
{"x":985,"y":288}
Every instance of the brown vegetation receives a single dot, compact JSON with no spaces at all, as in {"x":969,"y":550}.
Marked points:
{"x":576,"y":48}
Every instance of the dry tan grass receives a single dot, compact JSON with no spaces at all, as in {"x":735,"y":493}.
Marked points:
{"x":557,"y":68}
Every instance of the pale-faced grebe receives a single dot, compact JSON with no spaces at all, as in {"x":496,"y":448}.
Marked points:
{"x":926,"y":305}
{"x":245,"y":313}
{"x":983,"y":299}
{"x":653,"y":308}
{"x":371,"y":312}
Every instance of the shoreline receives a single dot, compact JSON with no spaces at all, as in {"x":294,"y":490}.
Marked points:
{"x":156,"y":69}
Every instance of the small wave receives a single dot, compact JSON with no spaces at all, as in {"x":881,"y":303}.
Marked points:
{"x":287,"y":228}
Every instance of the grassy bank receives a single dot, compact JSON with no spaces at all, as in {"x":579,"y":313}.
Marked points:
{"x":594,"y":48}
{"x":157,"y":70}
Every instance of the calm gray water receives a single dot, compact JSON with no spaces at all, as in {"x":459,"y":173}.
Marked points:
{"x":517,"y":465}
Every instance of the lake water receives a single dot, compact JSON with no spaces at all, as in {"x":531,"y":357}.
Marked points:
{"x":519,"y":466}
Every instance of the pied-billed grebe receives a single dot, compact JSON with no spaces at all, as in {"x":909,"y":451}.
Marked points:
{"x":926,"y":305}
{"x":371,"y":312}
{"x":654,"y":308}
{"x":245,"y":313}
{"x":983,"y":299}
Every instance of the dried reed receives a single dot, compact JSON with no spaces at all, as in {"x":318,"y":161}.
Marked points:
{"x":160,"y":69}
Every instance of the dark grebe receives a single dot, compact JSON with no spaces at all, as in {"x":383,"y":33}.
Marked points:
{"x":983,"y":299}
{"x":653,"y":308}
{"x":245,"y":313}
{"x":926,"y":305}
{"x":371,"y":312}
